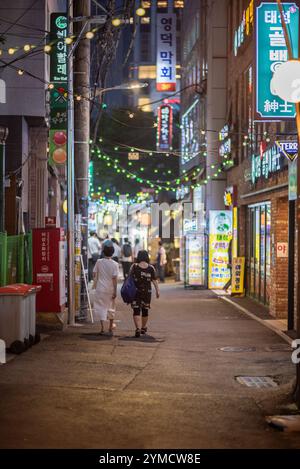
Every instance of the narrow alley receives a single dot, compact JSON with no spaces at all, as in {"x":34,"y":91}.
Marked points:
{"x":174,"y":388}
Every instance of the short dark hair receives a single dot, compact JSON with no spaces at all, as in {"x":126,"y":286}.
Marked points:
{"x":126,"y":240}
{"x":108,"y":250}
{"x":160,"y":243}
{"x":143,"y":256}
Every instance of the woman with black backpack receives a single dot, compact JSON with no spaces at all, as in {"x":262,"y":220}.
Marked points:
{"x":144,"y":275}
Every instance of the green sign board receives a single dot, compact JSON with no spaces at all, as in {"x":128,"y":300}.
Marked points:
{"x":58,"y":92}
{"x":271,"y":52}
{"x":59,"y":52}
{"x":293,"y":180}
{"x":91,"y":176}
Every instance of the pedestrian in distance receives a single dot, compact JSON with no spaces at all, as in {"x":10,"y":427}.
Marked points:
{"x":126,"y":257}
{"x":94,"y":251}
{"x":137,"y":249}
{"x":144,"y":275}
{"x":161,"y":261}
{"x":117,"y":249}
{"x":106,"y":273}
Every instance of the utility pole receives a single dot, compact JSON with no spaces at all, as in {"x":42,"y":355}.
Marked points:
{"x":70,"y":181}
{"x":290,"y":56}
{"x":3,"y":136}
{"x":82,"y":8}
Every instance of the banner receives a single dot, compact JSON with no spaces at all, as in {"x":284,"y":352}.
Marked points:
{"x":271,"y":52}
{"x":220,"y":235}
{"x":238,"y":275}
{"x":166,"y":52}
{"x":164,"y":127}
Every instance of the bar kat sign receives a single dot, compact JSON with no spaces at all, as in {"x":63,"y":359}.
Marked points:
{"x":166,"y":52}
{"x":165,"y":127}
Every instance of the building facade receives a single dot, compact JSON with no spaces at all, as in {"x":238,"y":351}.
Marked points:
{"x":257,"y":172}
{"x":34,"y":189}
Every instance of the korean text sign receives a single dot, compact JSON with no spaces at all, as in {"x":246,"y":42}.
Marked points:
{"x":238,"y":275}
{"x":165,"y":127}
{"x":220,"y":235}
{"x":271,"y":52}
{"x":59,"y":54}
{"x":166,"y":52}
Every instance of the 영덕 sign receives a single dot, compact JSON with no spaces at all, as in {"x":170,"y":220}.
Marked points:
{"x":271,"y":52}
{"x":166,"y":52}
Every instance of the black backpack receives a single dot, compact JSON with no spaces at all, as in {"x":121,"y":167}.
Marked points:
{"x":127,"y":251}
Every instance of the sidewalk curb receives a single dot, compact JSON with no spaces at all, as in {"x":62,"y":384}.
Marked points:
{"x":264,"y":322}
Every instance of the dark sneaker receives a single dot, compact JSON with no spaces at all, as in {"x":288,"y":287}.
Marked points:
{"x":144,"y":330}
{"x":137,"y":333}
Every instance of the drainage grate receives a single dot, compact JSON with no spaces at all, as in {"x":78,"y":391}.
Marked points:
{"x":237,"y":349}
{"x":257,"y":381}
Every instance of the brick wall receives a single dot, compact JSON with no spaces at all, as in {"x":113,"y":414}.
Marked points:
{"x":279,"y":266}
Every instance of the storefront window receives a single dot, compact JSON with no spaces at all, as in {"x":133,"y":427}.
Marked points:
{"x":259,"y":251}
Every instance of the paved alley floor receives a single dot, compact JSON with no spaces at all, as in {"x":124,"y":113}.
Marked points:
{"x":174,"y":388}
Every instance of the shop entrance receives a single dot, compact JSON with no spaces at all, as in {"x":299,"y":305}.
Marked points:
{"x":259,"y":252}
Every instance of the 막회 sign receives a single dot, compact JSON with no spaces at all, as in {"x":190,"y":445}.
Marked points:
{"x":166,"y":52}
{"x":271,"y":52}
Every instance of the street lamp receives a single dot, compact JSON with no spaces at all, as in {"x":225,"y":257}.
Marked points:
{"x":124,"y":86}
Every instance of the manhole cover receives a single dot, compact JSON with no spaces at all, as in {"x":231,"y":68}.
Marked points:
{"x":257,"y":381}
{"x":237,"y":349}
{"x":279,"y":348}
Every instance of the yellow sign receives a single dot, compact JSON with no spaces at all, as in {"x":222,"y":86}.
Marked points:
{"x":238,"y":276}
{"x":220,"y":235}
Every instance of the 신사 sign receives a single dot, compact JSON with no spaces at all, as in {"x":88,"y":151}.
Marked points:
{"x":271,"y":52}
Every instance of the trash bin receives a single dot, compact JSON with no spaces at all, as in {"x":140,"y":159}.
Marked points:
{"x":14,"y":323}
{"x":30,"y":299}
{"x":176,"y":268}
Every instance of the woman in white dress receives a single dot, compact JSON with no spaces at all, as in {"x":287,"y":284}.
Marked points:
{"x":105,"y":283}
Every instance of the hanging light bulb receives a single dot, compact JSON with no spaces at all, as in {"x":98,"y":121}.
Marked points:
{"x":11,"y":51}
{"x":27,"y":47}
{"x":141,"y":11}
{"x":89,"y":35}
{"x":116,"y":22}
{"x":50,"y":86}
{"x":47,"y":48}
{"x":20,"y":72}
{"x":68,"y":40}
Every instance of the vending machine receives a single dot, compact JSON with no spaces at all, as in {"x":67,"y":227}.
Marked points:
{"x":49,"y":254}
